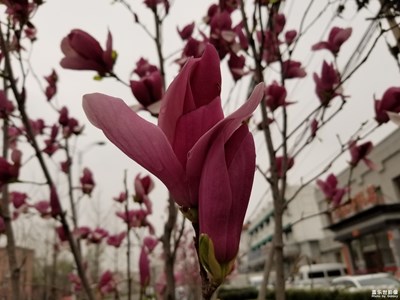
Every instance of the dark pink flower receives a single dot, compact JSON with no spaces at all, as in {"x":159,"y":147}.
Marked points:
{"x":143,"y":186}
{"x":87,"y":182}
{"x":121,"y":197}
{"x":64,"y":116}
{"x":228,"y":5}
{"x":205,"y":160}
{"x":331,"y":190}
{"x":149,"y":89}
{"x":193,"y":48}
{"x":134,"y":217}
{"x":19,"y":10}
{"x":152,"y":4}
{"x":66,"y":166}
{"x":337,"y":37}
{"x":326,"y":86}
{"x":83,"y":52}
{"x":290,"y":35}
{"x":359,"y":153}
{"x":82,"y":232}
{"x":314,"y":128}
{"x":222,"y":35}
{"x":293,"y":69}
{"x":18,"y":199}
{"x":62,"y":235}
{"x":275,"y":96}
{"x":43,"y":207}
{"x":144,"y":268}
{"x":97,"y":235}
{"x":55,"y":205}
{"x":37,"y":126}
{"x":51,"y":143}
{"x":150,"y":243}
{"x":186,"y":31}
{"x":236,"y":66}
{"x":279,"y":21}
{"x":51,"y":88}
{"x":280,"y":168}
{"x":107,"y":283}
{"x":144,"y":68}
{"x":243,"y":41}
{"x":271,"y":46}
{"x":116,"y":239}
{"x":390,"y":102}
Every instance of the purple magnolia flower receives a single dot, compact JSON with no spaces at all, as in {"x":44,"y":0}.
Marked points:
{"x":107,"y":283}
{"x":236,"y":66}
{"x":187,"y":31}
{"x":148,"y":89}
{"x":293,"y":69}
{"x":359,"y":153}
{"x":331,"y":190}
{"x":390,"y":102}
{"x":43,"y":207}
{"x":290,"y":36}
{"x":18,"y":199}
{"x":144,"y":268}
{"x":87,"y":182}
{"x":121,"y":197}
{"x":116,"y":239}
{"x":275,"y":96}
{"x":83,"y":52}
{"x":206,"y":161}
{"x":337,"y":37}
{"x":326,"y":85}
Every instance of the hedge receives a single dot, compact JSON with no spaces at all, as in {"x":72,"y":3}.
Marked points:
{"x":250,"y":293}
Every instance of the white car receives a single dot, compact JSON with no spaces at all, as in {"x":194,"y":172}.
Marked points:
{"x":367,"y":281}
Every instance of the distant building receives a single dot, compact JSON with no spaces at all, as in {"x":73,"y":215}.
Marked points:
{"x":367,"y":226}
{"x":25,"y":261}
{"x":303,"y":230}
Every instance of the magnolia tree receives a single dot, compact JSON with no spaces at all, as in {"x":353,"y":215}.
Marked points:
{"x":205,"y":158}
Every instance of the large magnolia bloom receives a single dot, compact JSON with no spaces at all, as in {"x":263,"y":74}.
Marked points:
{"x":206,"y":160}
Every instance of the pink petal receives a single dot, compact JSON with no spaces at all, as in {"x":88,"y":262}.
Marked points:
{"x":225,"y":188}
{"x":141,"y":140}
{"x":197,"y":84}
{"x":226,"y":128}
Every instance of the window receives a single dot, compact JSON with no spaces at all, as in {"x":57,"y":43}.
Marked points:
{"x":334,"y":273}
{"x":319,"y":274}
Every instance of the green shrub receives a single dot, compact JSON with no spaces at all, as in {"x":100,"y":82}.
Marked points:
{"x":250,"y":293}
{"x":247,"y":293}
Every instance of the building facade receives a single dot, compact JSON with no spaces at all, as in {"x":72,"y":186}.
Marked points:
{"x":367,"y":223}
{"x":303,"y":230}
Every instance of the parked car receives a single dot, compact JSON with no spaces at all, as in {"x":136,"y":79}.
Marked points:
{"x":367,"y":281}
{"x":317,"y":275}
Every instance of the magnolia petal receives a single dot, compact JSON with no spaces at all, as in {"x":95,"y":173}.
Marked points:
{"x":139,"y":139}
{"x":191,"y":127}
{"x":108,"y":53}
{"x":226,"y":127}
{"x":197,"y":84}
{"x":144,"y":268}
{"x":225,"y":187}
